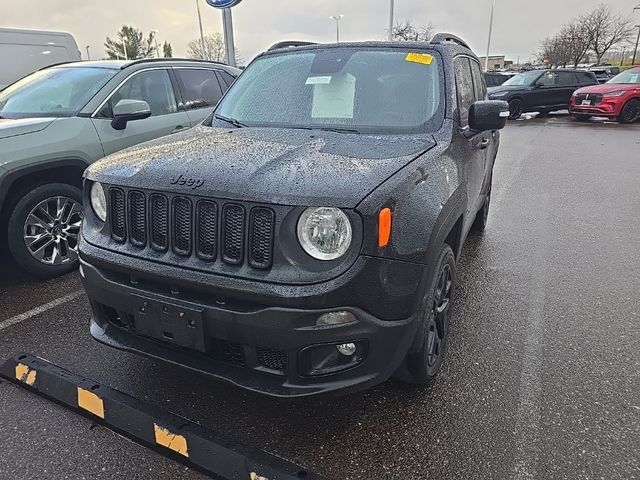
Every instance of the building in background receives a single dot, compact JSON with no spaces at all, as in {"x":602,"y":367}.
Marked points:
{"x":497,"y":62}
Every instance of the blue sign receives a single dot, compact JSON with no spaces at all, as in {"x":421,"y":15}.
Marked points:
{"x":223,"y":3}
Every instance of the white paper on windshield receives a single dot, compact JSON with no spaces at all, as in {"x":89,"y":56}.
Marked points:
{"x":335,"y":99}
{"x":318,"y":80}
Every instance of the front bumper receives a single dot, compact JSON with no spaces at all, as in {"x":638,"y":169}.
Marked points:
{"x":606,"y":108}
{"x":259,"y":347}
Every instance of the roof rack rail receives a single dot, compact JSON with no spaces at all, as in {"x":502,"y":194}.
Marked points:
{"x":447,"y":37}
{"x":290,"y":44}
{"x":153,"y":60}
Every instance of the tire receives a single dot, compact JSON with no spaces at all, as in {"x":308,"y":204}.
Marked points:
{"x":430,"y":345}
{"x":515,"y":109}
{"x":581,"y":117}
{"x":43,"y":230}
{"x":630,"y":112}
{"x":480,"y":222}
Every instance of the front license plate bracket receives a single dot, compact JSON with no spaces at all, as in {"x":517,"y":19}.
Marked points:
{"x":170,"y":322}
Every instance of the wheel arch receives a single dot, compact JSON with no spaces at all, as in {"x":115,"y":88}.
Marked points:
{"x":63,"y":170}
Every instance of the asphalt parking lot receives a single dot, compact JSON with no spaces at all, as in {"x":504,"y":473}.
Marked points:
{"x":542,"y":379}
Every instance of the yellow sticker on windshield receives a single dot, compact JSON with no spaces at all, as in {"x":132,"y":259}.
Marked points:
{"x":423,"y":58}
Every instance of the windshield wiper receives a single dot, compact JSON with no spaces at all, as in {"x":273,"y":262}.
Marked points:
{"x":232,"y":121}
{"x":338,"y":129}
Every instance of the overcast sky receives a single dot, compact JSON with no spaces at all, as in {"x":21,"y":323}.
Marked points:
{"x":518,"y":26}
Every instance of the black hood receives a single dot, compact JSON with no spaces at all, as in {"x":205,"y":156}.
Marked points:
{"x":280,"y":166}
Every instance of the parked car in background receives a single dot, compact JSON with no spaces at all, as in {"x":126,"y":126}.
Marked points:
{"x":541,"y":91}
{"x":24,"y":51}
{"x":494,"y":79}
{"x":55,"y":122}
{"x":604,"y":74}
{"x":619,"y":98}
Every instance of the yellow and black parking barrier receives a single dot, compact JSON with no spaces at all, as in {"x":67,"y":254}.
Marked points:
{"x":169,"y":434}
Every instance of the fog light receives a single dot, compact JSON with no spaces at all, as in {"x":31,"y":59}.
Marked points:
{"x":335,"y":318}
{"x":331,"y":358}
{"x":347,"y":349}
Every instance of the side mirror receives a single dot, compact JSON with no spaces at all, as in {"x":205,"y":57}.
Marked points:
{"x":488,"y":115}
{"x":129,"y":110}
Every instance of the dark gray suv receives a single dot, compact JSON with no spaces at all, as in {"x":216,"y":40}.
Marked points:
{"x":305,"y":239}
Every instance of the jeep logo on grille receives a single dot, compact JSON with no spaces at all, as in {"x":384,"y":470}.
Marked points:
{"x":187,"y":182}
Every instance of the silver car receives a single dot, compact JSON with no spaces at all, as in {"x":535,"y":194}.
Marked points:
{"x":55,"y":122}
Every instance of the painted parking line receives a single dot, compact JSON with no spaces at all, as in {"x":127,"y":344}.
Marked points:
{"x":41,"y":309}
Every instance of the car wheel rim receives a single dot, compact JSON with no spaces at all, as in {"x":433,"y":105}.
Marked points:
{"x":439,"y":316}
{"x":632,"y":113}
{"x":51,"y":231}
{"x":515,"y":108}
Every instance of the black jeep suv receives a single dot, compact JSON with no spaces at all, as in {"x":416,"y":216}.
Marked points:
{"x":304,"y":239}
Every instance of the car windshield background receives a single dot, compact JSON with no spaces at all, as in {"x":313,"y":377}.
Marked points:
{"x":55,"y":92}
{"x":629,"y":76}
{"x":371,"y":91}
{"x":523,"y":79}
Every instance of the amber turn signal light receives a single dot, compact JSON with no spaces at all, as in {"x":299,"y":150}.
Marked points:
{"x":384,"y":227}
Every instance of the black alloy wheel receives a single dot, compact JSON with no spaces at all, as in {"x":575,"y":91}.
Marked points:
{"x":515,"y":109}
{"x":630,"y":112}
{"x":427,"y":354}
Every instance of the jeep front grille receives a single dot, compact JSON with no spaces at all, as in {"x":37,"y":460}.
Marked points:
{"x":204,"y":228}
{"x":118,"y":214}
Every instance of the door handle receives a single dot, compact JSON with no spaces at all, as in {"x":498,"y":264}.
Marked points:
{"x":484,"y":143}
{"x":178,"y":128}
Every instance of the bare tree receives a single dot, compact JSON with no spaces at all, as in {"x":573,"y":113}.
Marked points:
{"x":214,"y":48}
{"x":575,"y":37}
{"x":130,"y":43}
{"x":408,"y":32}
{"x":605,"y":29}
{"x":555,"y":51}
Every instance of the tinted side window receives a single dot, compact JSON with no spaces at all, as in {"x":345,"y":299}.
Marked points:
{"x":464,"y":89}
{"x":478,"y":81}
{"x":153,"y":86}
{"x":200,"y":88}
{"x":566,"y":78}
{"x":226,"y":78}
{"x":547,"y":79}
{"x":586,"y":78}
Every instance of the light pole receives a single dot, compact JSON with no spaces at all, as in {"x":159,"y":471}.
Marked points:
{"x":124,"y":46}
{"x":155,"y":39}
{"x":337,"y":19}
{"x":633,"y":62}
{"x":205,"y":54}
{"x":391,"y":13}
{"x":88,"y":55}
{"x":486,"y":59}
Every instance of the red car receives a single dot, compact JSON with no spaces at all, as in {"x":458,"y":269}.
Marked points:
{"x":619,"y":98}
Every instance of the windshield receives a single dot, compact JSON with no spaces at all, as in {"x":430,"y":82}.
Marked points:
{"x":55,"y":92}
{"x":350,"y":89}
{"x":629,"y":76}
{"x":525,"y":78}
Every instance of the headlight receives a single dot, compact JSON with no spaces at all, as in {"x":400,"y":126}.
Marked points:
{"x":99,"y":201}
{"x":617,"y":93}
{"x":324,"y":233}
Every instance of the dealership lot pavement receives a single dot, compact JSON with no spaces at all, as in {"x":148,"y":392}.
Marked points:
{"x":542,"y":378}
